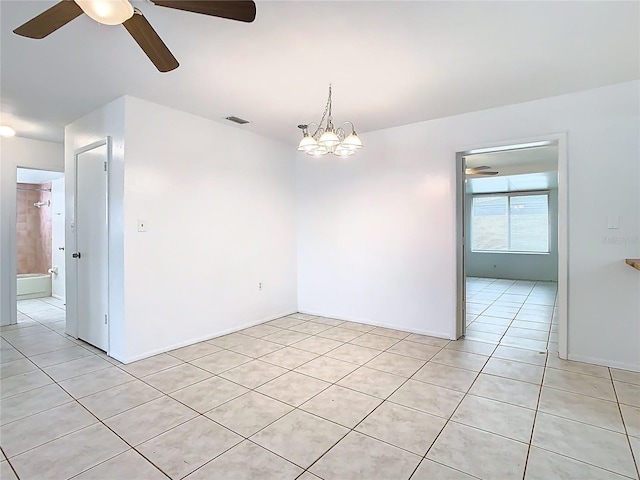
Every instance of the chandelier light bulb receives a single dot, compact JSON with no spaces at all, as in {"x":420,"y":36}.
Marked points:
{"x":6,"y":131}
{"x":325,"y":139}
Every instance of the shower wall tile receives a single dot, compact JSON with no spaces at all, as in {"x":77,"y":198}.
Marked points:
{"x":33,"y":229}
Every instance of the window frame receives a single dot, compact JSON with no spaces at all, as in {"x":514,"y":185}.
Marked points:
{"x":546,"y":193}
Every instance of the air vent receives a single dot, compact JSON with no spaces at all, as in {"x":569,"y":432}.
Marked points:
{"x":241,"y":121}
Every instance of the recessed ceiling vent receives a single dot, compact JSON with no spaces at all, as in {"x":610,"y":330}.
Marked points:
{"x":241,"y":121}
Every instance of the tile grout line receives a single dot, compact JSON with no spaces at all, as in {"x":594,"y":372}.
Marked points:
{"x":624,"y":424}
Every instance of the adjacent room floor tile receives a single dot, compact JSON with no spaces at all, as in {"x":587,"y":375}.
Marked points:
{"x":578,"y":367}
{"x":247,"y":461}
{"x":631,"y":416}
{"x":23,"y":383}
{"x":249,"y":413}
{"x":479,"y":453}
{"x":471,"y":346}
{"x":358,"y":456}
{"x":187,"y":447}
{"x":300,"y":437}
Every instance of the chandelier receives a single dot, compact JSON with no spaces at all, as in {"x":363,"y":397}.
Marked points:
{"x":328,"y":139}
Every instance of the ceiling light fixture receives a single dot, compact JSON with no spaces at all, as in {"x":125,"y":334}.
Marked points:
{"x":107,"y":12}
{"x":6,"y":131}
{"x":328,"y":139}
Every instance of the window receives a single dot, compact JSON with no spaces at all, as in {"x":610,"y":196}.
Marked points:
{"x":510,"y":223}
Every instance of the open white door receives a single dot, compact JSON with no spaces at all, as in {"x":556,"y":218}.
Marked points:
{"x":92,"y":244}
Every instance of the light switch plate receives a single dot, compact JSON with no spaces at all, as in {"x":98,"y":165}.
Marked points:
{"x":142,"y":225}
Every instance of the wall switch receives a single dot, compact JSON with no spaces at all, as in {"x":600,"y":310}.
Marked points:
{"x":142,"y":225}
{"x":613,"y":222}
{"x":260,"y":286}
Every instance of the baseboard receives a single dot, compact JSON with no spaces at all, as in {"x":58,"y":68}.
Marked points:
{"x":59,"y":297}
{"x":604,"y":362}
{"x":430,"y":333}
{"x":158,"y":351}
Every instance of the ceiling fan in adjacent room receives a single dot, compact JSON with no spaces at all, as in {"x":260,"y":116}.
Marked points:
{"x":481,"y":170}
{"x":116,"y":12}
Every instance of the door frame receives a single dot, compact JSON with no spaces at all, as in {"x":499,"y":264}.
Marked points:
{"x":72,"y":225}
{"x":563,"y":227}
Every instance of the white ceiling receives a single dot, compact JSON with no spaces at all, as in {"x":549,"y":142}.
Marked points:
{"x":37,"y":177}
{"x":518,"y":170}
{"x":391,"y":62}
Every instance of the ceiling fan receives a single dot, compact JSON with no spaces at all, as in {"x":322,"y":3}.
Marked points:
{"x":116,"y":12}
{"x":481,"y":170}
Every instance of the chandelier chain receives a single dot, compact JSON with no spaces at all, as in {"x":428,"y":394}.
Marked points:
{"x":324,"y":115}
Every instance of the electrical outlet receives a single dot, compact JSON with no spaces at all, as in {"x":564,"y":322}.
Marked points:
{"x":259,"y":285}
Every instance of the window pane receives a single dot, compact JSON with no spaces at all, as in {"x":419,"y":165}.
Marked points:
{"x":529,"y":223}
{"x":489,"y":224}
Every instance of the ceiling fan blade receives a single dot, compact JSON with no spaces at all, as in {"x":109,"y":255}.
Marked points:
{"x":50,"y":20}
{"x":242,"y":10}
{"x":144,"y":34}
{"x":484,"y":173}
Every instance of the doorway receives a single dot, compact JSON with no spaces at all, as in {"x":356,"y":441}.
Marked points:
{"x":511,"y":245}
{"x":91,"y":256}
{"x":40,"y":240}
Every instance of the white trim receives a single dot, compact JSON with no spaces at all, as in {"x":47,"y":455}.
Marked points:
{"x":379,"y":324}
{"x":200,"y":339}
{"x":605,"y":363}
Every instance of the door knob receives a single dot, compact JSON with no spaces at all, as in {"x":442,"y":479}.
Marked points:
{"x":60,"y":248}
{"x":76,"y":255}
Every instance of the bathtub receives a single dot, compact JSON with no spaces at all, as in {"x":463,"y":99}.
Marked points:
{"x":34,"y":285}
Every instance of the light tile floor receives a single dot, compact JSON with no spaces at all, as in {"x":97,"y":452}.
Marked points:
{"x":310,"y":397}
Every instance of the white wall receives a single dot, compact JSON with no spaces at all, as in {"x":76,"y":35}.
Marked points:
{"x":521,"y":266}
{"x":107,"y":121}
{"x":218,"y":205}
{"x":17,"y":152}
{"x":376,"y":233}
{"x":57,"y":238}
